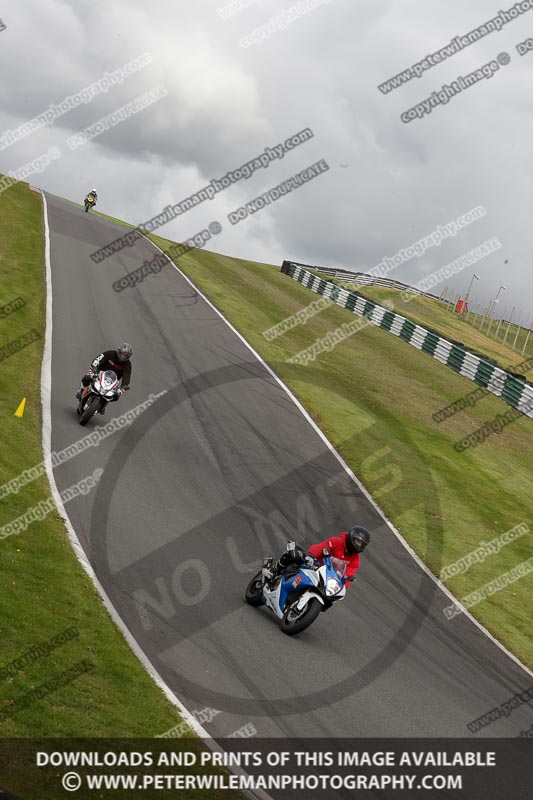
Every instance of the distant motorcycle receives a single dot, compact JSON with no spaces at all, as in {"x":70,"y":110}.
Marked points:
{"x":301,"y":593}
{"x":97,"y":395}
{"x":89,"y":202}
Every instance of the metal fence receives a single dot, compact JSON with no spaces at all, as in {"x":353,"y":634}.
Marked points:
{"x":362,"y":279}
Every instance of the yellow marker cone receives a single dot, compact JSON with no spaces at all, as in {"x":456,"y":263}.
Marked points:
{"x":20,"y":410}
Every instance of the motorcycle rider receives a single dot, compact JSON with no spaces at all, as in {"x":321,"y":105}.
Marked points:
{"x":117,"y":360}
{"x":92,"y":194}
{"x":347,"y":546}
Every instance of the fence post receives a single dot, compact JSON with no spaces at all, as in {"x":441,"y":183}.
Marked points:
{"x":509,"y":325}
{"x":517,"y":330}
{"x":527,"y":337}
{"x":483,"y":320}
{"x":499,"y":323}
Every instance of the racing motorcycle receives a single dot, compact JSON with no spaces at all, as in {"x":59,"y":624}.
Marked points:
{"x":97,"y":395}
{"x":89,"y":202}
{"x":301,"y":592}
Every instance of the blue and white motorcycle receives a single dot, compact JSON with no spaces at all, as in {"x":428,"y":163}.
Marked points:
{"x":301,"y":592}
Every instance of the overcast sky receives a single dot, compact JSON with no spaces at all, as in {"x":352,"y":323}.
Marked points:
{"x":390,"y":183}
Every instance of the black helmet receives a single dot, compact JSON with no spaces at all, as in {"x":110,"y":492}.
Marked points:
{"x":357,"y":539}
{"x":124,"y":351}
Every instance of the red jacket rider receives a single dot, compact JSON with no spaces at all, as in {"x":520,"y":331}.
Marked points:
{"x":346,"y":546}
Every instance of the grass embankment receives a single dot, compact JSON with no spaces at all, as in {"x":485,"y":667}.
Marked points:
{"x":375,"y":394}
{"x":44,"y":589}
{"x":430,"y":313}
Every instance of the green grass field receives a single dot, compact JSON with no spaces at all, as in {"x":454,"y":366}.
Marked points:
{"x":375,"y":394}
{"x":516,"y":337}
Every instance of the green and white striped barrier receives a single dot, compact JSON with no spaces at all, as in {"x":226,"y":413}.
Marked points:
{"x":515,"y":392}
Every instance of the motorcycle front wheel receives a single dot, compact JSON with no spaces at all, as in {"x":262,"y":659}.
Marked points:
{"x":295,"y":621}
{"x":94,"y":405}
{"x":254,"y":591}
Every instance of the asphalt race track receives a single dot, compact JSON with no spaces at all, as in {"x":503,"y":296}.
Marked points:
{"x":220,"y":471}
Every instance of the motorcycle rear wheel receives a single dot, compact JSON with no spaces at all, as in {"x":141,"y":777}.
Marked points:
{"x":294,"y":622}
{"x":254,"y":591}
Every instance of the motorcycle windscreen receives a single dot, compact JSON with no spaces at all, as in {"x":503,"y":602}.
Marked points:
{"x":339,"y":565}
{"x":108,"y":380}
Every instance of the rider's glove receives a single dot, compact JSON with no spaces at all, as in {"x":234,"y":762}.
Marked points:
{"x":310,"y":561}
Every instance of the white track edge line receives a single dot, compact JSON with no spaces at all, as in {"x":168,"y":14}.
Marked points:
{"x":352,"y":475}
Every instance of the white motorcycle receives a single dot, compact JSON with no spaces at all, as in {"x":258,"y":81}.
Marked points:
{"x":97,"y":395}
{"x":301,"y":592}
